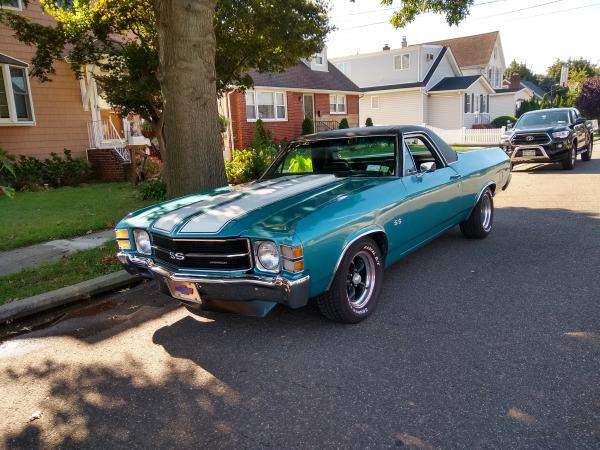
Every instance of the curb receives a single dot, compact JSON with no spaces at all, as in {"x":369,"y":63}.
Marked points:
{"x":66,"y":295}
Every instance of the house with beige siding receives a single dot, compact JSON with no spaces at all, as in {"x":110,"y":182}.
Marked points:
{"x":39,"y":118}
{"x":449,"y":84}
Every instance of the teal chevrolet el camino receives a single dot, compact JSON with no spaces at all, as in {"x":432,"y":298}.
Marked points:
{"x":332,"y":211}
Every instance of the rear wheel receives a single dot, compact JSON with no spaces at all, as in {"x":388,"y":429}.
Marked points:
{"x":356,"y":285}
{"x":479,"y":223}
{"x":569,"y":163}
{"x":587,"y":155}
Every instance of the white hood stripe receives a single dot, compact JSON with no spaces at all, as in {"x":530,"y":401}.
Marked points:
{"x":212,"y":220}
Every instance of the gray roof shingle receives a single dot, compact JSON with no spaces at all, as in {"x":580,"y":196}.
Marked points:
{"x":455,"y":83}
{"x":303,"y":77}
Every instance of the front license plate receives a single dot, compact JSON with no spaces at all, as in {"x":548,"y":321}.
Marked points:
{"x":184,"y":291}
{"x":529,"y":153}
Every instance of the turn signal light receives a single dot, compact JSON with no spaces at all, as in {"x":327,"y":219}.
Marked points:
{"x":122,"y":234}
{"x":124,"y":244}
{"x":292,"y":252}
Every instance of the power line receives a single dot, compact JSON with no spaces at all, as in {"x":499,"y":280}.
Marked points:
{"x":522,"y":9}
{"x":486,"y":17}
{"x":398,"y":7}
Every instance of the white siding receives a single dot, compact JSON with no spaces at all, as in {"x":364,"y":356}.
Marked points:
{"x":443,"y":70}
{"x":506,"y":104}
{"x":477,"y":89}
{"x":395,"y":108}
{"x":377,"y":69}
{"x":445,"y":110}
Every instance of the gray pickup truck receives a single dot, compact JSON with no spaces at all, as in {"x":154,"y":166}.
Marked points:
{"x":549,"y":136}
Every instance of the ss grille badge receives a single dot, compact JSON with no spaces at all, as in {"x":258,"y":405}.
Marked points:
{"x":177,"y":256}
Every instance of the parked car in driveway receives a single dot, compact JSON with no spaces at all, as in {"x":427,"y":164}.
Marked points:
{"x":328,"y":215}
{"x":548,"y":136}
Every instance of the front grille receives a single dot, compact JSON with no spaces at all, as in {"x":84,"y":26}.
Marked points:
{"x":203,"y":254}
{"x":530,"y":139}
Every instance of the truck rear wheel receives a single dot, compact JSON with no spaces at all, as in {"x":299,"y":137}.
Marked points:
{"x":587,"y":155}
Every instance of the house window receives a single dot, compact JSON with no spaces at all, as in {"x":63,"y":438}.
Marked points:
{"x":265,"y":105}
{"x":11,"y":4}
{"x":481,"y":103}
{"x":15,"y":97}
{"x":318,"y":58}
{"x":402,"y":62}
{"x":495,"y":53}
{"x":374,"y":102}
{"x":429,"y":57}
{"x":337,"y":104}
{"x":472,"y":102}
{"x":467,"y":103}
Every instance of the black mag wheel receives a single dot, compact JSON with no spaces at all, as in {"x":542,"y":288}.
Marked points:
{"x":569,"y":163}
{"x":354,"y":292}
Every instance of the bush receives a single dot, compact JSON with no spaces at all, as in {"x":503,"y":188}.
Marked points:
{"x":153,"y":190}
{"x":308,"y":127}
{"x":7,"y":172}
{"x":31,"y":174}
{"x":223,"y":123}
{"x":500,"y":122}
{"x":368,"y":122}
{"x":344,"y":124}
{"x":248,"y":165}
{"x":262,"y":137}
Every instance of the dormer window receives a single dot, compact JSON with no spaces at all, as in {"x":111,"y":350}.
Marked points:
{"x":429,"y":57}
{"x":402,"y":62}
{"x":495,"y":53}
{"x":318,"y":58}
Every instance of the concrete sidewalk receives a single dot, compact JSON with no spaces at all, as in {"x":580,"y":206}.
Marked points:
{"x":12,"y":261}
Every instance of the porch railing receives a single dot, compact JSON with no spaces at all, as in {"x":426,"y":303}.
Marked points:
{"x":103,"y":134}
{"x":482,"y":119}
{"x":326,"y":125}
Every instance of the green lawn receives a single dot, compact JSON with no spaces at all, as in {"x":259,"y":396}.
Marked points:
{"x":66,"y":212}
{"x":78,"y":267}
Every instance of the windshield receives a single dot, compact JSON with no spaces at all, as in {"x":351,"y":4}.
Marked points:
{"x":354,"y":156}
{"x":541,"y":119}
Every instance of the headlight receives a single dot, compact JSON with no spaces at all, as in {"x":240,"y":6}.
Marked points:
{"x":267,"y":255}
{"x":142,"y":242}
{"x":561,"y":134}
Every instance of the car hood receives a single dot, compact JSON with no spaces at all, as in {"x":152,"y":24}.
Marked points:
{"x":262,"y":208}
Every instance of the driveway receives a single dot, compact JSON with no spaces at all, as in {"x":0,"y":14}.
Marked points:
{"x":476,"y":344}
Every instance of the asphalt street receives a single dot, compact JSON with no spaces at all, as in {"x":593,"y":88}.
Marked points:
{"x":475,"y":344}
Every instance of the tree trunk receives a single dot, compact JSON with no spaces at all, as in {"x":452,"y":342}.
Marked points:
{"x":186,"y":43}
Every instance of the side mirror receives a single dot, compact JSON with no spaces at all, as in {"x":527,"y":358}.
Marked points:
{"x":426,"y":167}
{"x":580,"y":120}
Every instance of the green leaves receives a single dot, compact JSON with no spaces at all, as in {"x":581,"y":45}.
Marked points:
{"x":454,"y":10}
{"x":6,"y":166}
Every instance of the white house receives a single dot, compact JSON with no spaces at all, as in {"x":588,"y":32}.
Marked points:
{"x":446,"y":84}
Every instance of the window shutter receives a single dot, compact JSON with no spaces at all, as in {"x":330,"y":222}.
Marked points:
{"x":472,"y":102}
{"x":466,"y":103}
{"x":487,"y":104}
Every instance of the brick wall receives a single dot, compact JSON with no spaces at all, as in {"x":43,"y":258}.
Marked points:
{"x":243,"y":131}
{"x":61,"y":121}
{"x":108,"y":166}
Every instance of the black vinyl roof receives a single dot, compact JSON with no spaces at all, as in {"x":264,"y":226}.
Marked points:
{"x":399,"y":130}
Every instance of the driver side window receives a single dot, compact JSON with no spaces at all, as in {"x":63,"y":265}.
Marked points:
{"x":422,"y":151}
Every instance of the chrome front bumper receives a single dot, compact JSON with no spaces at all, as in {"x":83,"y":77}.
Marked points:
{"x":247,"y":287}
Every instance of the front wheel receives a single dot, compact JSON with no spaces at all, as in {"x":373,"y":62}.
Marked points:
{"x":479,"y":223}
{"x":569,"y":163}
{"x":587,"y":155}
{"x":356,"y":285}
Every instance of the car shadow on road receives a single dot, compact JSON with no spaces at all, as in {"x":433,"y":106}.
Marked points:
{"x":476,"y":343}
{"x":581,"y":168}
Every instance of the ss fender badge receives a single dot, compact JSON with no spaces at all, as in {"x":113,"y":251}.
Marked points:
{"x":397,"y":221}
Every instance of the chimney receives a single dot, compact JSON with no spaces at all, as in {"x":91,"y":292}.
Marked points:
{"x":404,"y":43}
{"x":386,"y":47}
{"x":515,"y":81}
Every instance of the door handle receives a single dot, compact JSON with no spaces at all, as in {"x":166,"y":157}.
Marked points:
{"x":455,"y":176}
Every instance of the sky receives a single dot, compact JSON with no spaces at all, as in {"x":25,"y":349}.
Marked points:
{"x":535,"y":32}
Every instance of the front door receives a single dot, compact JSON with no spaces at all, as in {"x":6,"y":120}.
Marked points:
{"x":309,"y":107}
